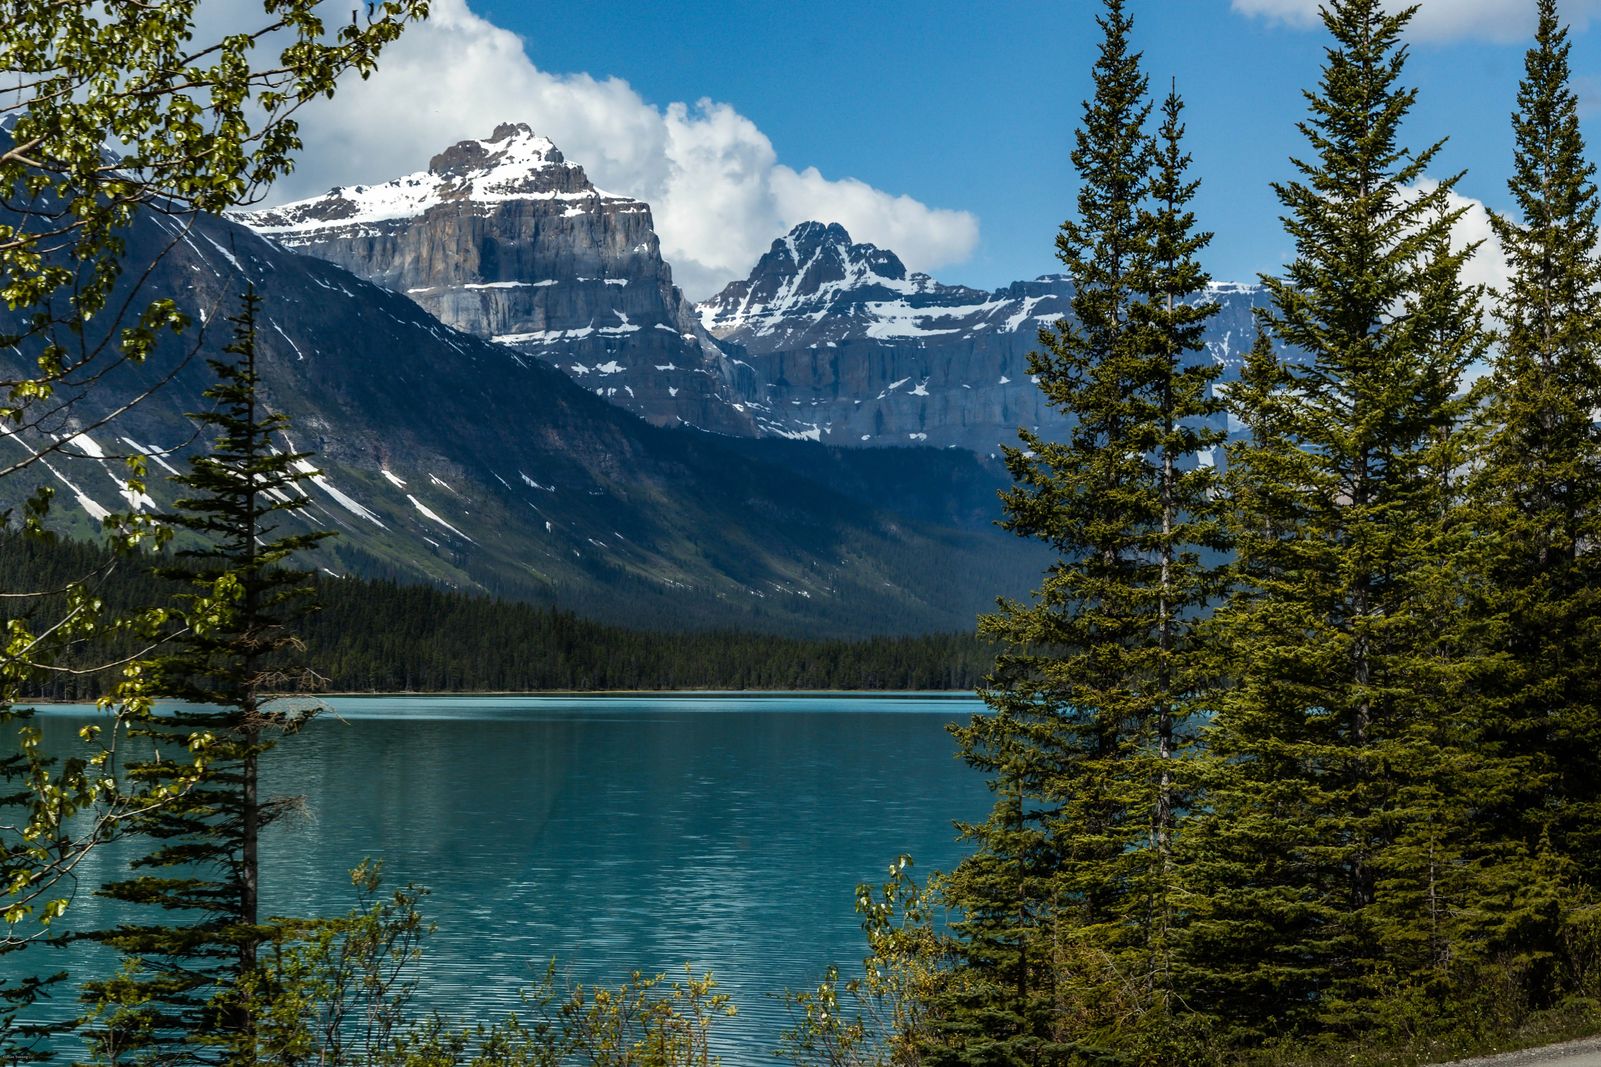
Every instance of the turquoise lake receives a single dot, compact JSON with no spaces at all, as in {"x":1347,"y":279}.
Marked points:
{"x":614,"y":833}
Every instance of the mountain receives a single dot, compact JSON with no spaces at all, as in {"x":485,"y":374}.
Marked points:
{"x":827,"y":339}
{"x":508,"y":240}
{"x":853,"y":349}
{"x":454,"y":460}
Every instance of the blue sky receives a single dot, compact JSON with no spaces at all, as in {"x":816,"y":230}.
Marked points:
{"x":966,"y":109}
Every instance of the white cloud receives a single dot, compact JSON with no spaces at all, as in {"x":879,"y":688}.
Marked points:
{"x":1438,"y":20}
{"x":717,"y":190}
{"x":1488,"y":265}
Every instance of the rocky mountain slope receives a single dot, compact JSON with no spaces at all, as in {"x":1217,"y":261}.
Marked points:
{"x":447,"y":458}
{"x":827,"y":339}
{"x":508,"y":240}
{"x":852,"y":349}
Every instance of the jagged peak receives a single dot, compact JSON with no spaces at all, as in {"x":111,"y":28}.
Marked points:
{"x":808,"y":241}
{"x":513,"y":144}
{"x":814,"y":266}
{"x":513,"y":163}
{"x":812,"y":234}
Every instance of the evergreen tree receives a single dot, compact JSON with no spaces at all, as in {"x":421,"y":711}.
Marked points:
{"x":1541,"y":480}
{"x":1172,"y":676}
{"x":201,"y":123}
{"x":1070,"y":903}
{"x":1340,"y":816}
{"x":177,"y":996}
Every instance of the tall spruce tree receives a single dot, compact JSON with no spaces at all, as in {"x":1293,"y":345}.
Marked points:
{"x":1070,"y":901}
{"x":1336,"y":856}
{"x":1184,"y":537}
{"x":177,"y":998}
{"x":1540,"y":482}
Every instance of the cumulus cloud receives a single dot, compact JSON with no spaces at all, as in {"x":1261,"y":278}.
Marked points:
{"x":1438,"y":20}
{"x":1488,"y":265}
{"x":714,"y":182}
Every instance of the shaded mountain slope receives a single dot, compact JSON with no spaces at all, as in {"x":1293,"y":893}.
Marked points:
{"x":454,"y":460}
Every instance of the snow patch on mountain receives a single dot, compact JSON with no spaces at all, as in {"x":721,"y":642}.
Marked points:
{"x":343,"y":499}
{"x":513,"y":164}
{"x":433,"y":516}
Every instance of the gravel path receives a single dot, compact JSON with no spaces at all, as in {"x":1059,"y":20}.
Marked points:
{"x":1585,"y":1052}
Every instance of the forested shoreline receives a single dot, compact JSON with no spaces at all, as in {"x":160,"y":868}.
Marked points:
{"x":1340,"y":795}
{"x":375,"y":636}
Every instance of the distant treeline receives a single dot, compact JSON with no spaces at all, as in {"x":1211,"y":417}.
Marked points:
{"x":382,"y":636}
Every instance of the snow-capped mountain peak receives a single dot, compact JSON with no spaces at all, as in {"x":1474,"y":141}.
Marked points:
{"x":513,"y":148}
{"x":513,"y":163}
{"x":859,"y":351}
{"x":819,"y":250}
{"x":505,"y":238}
{"x":811,"y":271}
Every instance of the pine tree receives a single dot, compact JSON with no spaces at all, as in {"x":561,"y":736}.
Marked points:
{"x":1541,"y":480}
{"x":1341,"y":800}
{"x":1069,"y":904}
{"x":176,"y":998}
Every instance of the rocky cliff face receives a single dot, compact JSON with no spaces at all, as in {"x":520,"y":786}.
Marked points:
{"x":854,"y":350}
{"x":506,"y":239}
{"x":827,"y":339}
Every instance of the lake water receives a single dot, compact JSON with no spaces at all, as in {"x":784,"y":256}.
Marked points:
{"x":615,"y":833}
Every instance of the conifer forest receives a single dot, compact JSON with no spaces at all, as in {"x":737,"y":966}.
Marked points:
{"x":1293,"y":753}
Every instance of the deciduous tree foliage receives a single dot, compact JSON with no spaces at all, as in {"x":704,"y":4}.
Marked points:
{"x":106,"y":109}
{"x":116,"y":107}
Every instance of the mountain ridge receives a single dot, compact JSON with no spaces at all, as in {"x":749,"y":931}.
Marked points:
{"x":826,"y":339}
{"x":855,"y":350}
{"x":452,"y":460}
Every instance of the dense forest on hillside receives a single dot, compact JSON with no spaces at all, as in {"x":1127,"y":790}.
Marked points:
{"x":380,"y":636}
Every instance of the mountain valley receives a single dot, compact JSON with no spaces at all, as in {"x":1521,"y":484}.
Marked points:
{"x":453,"y":460}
